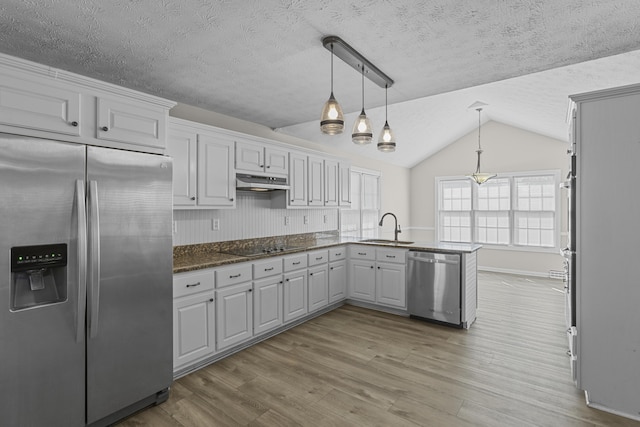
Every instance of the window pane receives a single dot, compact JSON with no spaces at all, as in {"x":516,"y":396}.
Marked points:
{"x":494,"y":195}
{"x":535,"y":193}
{"x":535,"y":229}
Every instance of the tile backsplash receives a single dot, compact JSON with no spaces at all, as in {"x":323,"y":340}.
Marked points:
{"x":253,"y":217}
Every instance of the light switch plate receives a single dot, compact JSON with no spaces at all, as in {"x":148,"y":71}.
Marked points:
{"x":306,"y":219}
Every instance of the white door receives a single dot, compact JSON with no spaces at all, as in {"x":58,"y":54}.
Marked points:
{"x":316,"y":181}
{"x":194,"y":328}
{"x":337,"y":281}
{"x":298,"y":180}
{"x":362,"y":280}
{"x":249,"y":157}
{"x":276,"y":161}
{"x":331,"y":175}
{"x":267,"y":304}
{"x":295,"y":295}
{"x":216,"y":177}
{"x":391,"y":288}
{"x":234,"y":310}
{"x":181,"y":146}
{"x":318,"y":288}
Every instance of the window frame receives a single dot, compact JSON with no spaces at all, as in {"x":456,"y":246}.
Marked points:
{"x":557,"y":212}
{"x":371,"y":233}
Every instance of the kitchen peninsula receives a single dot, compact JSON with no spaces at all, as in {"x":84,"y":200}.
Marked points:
{"x":231,"y":295}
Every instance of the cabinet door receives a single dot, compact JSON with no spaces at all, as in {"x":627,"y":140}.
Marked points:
{"x":318,"y":288}
{"x":391,"y":288}
{"x":194,"y":328}
{"x":216,"y":177}
{"x":337,"y":281}
{"x":362,"y":280}
{"x":344,"y":184}
{"x":331,"y":183}
{"x":276,"y":161}
{"x":131,"y":123}
{"x":181,"y":146}
{"x":298,"y":180}
{"x":234,"y":314}
{"x":42,"y":107}
{"x":295,"y":295}
{"x":267,"y":304}
{"x":316,"y":181}
{"x":249,"y":157}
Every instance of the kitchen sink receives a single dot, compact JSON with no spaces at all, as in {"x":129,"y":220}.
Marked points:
{"x":386,"y":241}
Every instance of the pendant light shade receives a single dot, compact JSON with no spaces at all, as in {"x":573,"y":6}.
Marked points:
{"x":479,"y":177}
{"x":387,"y":140}
{"x":332,"y":119}
{"x":362,"y":133}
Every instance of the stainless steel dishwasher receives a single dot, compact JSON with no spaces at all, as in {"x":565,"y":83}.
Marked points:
{"x":434,"y":287}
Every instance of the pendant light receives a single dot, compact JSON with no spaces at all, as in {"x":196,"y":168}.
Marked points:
{"x":479,"y":177}
{"x":362,"y":133}
{"x":387,"y":140}
{"x":332,"y":119}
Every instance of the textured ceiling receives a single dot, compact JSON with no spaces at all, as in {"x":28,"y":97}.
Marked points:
{"x":263,"y":61}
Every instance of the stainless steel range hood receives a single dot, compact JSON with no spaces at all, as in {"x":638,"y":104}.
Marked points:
{"x":246,"y":182}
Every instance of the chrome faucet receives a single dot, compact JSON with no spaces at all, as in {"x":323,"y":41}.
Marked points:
{"x":396,"y":230}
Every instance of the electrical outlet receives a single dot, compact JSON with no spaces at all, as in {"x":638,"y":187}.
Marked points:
{"x":215,"y":224}
{"x":326,"y":219}
{"x":175,"y":227}
{"x":306,"y":219}
{"x":286,"y":220}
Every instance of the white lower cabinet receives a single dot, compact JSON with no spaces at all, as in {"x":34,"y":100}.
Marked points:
{"x":337,"y":281}
{"x":391,"y":288}
{"x":295,"y":295}
{"x":267,"y":304}
{"x":378,"y":276}
{"x":194,"y":328}
{"x":362,"y":280}
{"x":318,"y":287}
{"x":234,"y":310}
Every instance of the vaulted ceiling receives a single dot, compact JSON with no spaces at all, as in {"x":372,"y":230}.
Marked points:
{"x":263,"y":60}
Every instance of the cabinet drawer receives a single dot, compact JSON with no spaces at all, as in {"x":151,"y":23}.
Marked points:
{"x":269,"y":267}
{"x":338,"y":253}
{"x":318,"y":257}
{"x":391,"y":255}
{"x":362,"y":252}
{"x":295,"y":262}
{"x":233,"y":274}
{"x":192,"y":282}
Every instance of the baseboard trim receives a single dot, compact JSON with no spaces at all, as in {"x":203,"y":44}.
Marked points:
{"x":518,"y":272}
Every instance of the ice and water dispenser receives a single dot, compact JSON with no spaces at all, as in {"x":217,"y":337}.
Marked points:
{"x":38,"y":275}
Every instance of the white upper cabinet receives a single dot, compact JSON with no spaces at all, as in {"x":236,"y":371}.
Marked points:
{"x":255,"y":157}
{"x":182,"y":146}
{"x":216,"y":177}
{"x":316,"y":181}
{"x":298,"y":180}
{"x":36,"y":100}
{"x":331,"y":183}
{"x":344,"y":185}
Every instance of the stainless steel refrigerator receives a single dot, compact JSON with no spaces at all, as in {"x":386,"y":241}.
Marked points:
{"x":85,"y":282}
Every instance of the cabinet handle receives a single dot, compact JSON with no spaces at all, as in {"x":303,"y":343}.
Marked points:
{"x":268,"y":166}
{"x":193,"y":198}
{"x":319,"y":258}
{"x":250,"y":290}
{"x":104,"y":129}
{"x":74,"y":124}
{"x":287,"y":280}
{"x":210,"y":299}
{"x":235,"y":276}
{"x":296,"y":263}
{"x":338,"y":253}
{"x":292,"y":200}
{"x":372,"y":266}
{"x":231,"y":199}
{"x":330,"y":268}
{"x":378,"y":268}
{"x":362,"y":253}
{"x":310,"y":274}
{"x":391,"y":256}
{"x":268,"y":269}
{"x":193,"y":285}
{"x":261,"y":166}
{"x":280,"y":282}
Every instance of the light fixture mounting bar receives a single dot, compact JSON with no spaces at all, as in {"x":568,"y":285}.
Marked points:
{"x":352,"y":57}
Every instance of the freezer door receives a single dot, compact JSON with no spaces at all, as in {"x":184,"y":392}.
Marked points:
{"x":129,"y":294}
{"x":41,"y":346}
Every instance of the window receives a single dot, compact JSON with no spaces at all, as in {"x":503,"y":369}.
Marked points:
{"x":517,"y":210}
{"x":362,"y":219}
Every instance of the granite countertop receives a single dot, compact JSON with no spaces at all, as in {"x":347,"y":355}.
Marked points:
{"x":197,"y":257}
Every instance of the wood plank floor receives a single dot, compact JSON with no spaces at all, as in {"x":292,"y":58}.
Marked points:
{"x":357,"y":367}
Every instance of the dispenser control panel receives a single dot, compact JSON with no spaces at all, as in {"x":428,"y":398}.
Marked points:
{"x":25,"y":258}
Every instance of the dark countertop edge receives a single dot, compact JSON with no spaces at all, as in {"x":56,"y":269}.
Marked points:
{"x":416,"y":246}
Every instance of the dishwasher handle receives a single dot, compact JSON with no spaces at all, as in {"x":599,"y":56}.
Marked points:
{"x":433,"y":260}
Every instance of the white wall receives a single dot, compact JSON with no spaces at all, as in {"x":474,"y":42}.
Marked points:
{"x":195,"y":227}
{"x":506,"y":149}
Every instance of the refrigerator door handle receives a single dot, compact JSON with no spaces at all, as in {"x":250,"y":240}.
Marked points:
{"x":94,"y":260}
{"x":81,"y":213}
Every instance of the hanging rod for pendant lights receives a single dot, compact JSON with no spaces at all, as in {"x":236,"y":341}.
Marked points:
{"x":352,"y":57}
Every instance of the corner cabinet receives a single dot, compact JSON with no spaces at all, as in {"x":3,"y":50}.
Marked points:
{"x":203,"y":173}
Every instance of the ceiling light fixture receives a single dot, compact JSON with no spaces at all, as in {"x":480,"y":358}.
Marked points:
{"x":332,"y":119}
{"x":387,"y":140}
{"x":362,"y":133}
{"x":479,"y":177}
